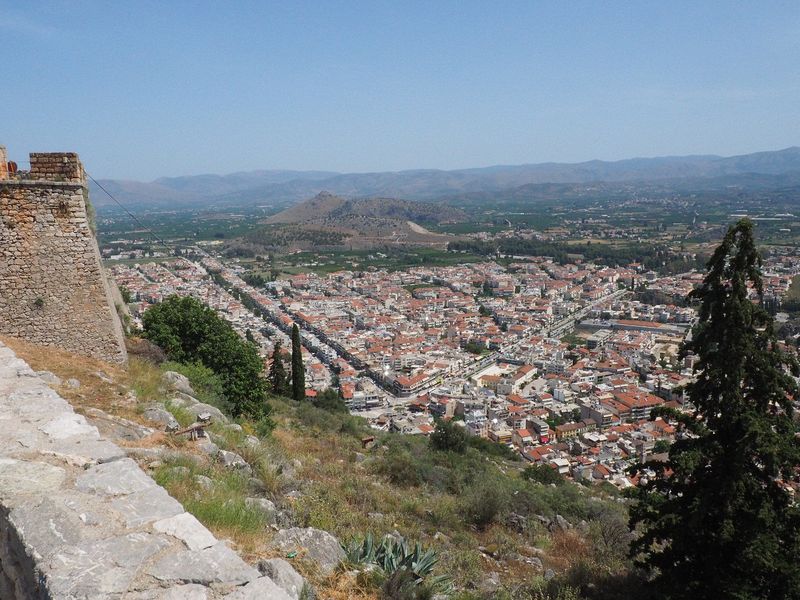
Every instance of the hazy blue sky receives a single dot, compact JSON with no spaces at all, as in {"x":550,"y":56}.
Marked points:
{"x":145,"y":89}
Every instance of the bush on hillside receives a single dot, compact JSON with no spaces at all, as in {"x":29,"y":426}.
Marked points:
{"x":493,"y":448}
{"x":486,"y":501}
{"x":449,"y":437}
{"x":330,"y":400}
{"x":542,"y":474}
{"x":189,"y":331}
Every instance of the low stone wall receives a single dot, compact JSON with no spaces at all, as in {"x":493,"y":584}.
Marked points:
{"x":80,"y":520}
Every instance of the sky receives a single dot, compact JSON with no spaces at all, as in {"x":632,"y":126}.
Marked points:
{"x":149,"y":89}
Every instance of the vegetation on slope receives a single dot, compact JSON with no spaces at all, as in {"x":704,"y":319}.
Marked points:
{"x":189,"y":331}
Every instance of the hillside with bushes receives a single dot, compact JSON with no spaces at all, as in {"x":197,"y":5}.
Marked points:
{"x":475,"y":522}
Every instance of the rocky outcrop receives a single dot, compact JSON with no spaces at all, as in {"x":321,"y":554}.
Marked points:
{"x":284,"y":576}
{"x":315,"y":545}
{"x":80,"y":520}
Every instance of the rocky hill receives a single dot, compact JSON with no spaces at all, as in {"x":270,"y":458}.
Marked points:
{"x":327,"y":220}
{"x":328,"y":206}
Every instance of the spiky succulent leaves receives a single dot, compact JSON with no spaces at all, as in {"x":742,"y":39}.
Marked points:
{"x":716,"y":520}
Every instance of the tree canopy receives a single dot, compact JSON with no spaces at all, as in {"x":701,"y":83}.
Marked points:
{"x":449,"y":437}
{"x":277,"y":372}
{"x":189,"y":331}
{"x":717,"y":521}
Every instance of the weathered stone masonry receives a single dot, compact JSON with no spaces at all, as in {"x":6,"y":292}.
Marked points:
{"x":81,"y":521}
{"x":52,"y":287}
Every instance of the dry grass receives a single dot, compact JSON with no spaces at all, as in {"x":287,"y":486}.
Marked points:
{"x":567,"y":548}
{"x":345,"y":587}
{"x":103,"y":385}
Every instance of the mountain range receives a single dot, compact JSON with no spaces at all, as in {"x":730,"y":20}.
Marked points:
{"x":282,"y":188}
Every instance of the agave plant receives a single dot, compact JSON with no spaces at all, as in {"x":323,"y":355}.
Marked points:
{"x":394,"y":554}
{"x":360,"y":552}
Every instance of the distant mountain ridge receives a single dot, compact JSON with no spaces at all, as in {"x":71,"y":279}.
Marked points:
{"x":279,"y":188}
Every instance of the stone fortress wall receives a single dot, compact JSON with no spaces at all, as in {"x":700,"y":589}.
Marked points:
{"x":53,"y":290}
{"x":79,"y":520}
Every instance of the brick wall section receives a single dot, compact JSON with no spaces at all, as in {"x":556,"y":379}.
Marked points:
{"x":3,"y":163}
{"x":53,"y":290}
{"x":56,"y":166}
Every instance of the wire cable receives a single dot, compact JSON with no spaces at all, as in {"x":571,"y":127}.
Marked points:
{"x":131,"y":215}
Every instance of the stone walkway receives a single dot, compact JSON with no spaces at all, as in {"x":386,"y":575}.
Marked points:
{"x":80,"y":520}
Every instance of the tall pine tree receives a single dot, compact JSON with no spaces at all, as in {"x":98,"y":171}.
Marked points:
{"x":717,"y":521}
{"x":298,"y":370}
{"x":277,"y":372}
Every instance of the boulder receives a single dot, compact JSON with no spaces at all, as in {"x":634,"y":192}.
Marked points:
{"x":232,"y":460}
{"x":201,"y":408}
{"x":188,"y":529}
{"x":204,"y":482}
{"x":318,"y":546}
{"x":262,"y":588}
{"x":159,"y":414}
{"x":207,"y":446}
{"x":182,"y":400}
{"x":517,"y":522}
{"x":264,"y":506}
{"x":179,"y":382}
{"x":284,"y":576}
{"x":561,"y":523}
{"x":117,"y":428}
{"x":217,"y":564}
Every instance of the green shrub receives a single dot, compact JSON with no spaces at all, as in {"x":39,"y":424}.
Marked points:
{"x":189,"y":331}
{"x":264,"y":426}
{"x":543,"y":474}
{"x":330,"y":400}
{"x":399,"y":467}
{"x":493,"y":448}
{"x":485,"y":501}
{"x":449,"y":437}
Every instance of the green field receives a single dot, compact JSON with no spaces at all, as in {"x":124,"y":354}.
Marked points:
{"x":360,"y":260}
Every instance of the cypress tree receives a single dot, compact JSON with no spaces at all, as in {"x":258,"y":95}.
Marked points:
{"x":298,"y":371}
{"x":277,"y":372}
{"x":717,"y":521}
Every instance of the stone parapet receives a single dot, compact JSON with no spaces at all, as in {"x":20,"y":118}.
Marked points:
{"x":79,"y":520}
{"x":56,"y":166}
